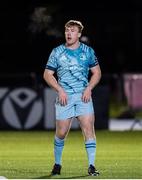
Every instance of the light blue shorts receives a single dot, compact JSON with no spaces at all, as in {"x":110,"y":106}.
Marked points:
{"x":75,"y":107}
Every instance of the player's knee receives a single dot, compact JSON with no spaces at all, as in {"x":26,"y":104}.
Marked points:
{"x":89,"y":133}
{"x":61,"y":134}
{"x":88,"y":129}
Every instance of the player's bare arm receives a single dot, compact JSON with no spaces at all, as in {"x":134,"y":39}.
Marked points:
{"x":52,"y":82}
{"x":94,"y":80}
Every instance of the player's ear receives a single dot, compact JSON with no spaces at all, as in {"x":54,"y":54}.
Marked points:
{"x":79,"y":35}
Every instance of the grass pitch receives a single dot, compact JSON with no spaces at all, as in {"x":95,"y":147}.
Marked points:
{"x":29,"y":155}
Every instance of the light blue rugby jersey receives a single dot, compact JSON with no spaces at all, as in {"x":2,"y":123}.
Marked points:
{"x":72,"y":66}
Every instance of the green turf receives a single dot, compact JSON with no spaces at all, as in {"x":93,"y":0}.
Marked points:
{"x":29,"y":155}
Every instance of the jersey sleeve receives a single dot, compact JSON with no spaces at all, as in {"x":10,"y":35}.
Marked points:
{"x":52,"y":61}
{"x":93,"y":60}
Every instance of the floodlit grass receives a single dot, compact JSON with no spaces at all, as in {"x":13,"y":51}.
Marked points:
{"x":29,"y":155}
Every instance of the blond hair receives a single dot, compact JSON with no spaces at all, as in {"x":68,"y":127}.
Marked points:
{"x":75,"y":23}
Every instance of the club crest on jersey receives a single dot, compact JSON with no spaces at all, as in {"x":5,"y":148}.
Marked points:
{"x":82,"y":57}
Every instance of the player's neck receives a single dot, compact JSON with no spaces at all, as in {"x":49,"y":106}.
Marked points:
{"x":73,"y":46}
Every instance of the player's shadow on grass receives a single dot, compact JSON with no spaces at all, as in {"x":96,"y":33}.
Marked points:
{"x":58,"y":177}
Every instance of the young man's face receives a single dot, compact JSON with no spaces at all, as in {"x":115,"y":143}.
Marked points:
{"x":72,"y":35}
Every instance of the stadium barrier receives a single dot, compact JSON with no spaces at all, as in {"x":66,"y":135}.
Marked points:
{"x":26,"y":108}
{"x":133,"y":93}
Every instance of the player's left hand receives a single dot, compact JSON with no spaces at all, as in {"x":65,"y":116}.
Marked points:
{"x":86,"y":94}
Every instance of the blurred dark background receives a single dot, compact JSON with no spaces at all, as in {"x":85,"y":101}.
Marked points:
{"x":30,"y":29}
